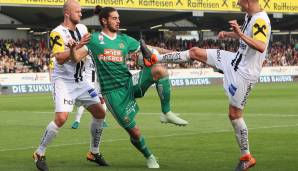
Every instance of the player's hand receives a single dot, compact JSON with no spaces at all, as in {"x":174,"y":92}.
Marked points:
{"x":235,"y":27}
{"x":71,"y":44}
{"x":221,"y":35}
{"x":84,"y":40}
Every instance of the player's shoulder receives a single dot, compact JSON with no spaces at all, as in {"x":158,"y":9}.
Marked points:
{"x":82,"y":28}
{"x":261,"y":16}
{"x":122,"y":35}
{"x":59,"y":31}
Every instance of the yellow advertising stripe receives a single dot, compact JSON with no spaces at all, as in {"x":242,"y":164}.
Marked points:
{"x":286,"y":6}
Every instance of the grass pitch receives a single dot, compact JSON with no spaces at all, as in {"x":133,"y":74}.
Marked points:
{"x":206,"y":144}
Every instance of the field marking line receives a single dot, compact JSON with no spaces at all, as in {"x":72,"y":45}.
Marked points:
{"x":152,"y":137}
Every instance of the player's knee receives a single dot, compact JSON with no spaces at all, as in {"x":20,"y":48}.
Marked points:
{"x":97,"y":110}
{"x":234,"y":113}
{"x":198,"y":54}
{"x":135,"y":132}
{"x":60,"y":119}
{"x":159,"y":72}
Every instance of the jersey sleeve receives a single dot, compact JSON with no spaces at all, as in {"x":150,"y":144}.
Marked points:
{"x":56,"y":42}
{"x":260,"y":30}
{"x":51,"y":63}
{"x":133,"y":44}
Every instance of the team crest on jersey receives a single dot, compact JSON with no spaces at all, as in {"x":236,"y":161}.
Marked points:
{"x":100,"y":38}
{"x":121,"y":45}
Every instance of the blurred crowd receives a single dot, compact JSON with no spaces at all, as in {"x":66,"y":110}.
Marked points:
{"x":24,"y":56}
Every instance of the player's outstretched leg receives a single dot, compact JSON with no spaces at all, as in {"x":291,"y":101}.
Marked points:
{"x":150,"y":58}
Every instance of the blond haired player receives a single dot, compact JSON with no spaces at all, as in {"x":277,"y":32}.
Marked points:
{"x":69,"y":87}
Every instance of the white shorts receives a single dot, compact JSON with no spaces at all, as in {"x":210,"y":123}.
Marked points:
{"x":67,"y":94}
{"x":236,"y":87}
{"x":94,"y":85}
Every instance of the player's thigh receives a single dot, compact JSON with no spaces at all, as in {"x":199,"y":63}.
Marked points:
{"x":88,"y":95}
{"x":145,"y":80}
{"x":63,"y":98}
{"x":123,"y":106}
{"x":219,"y":59}
{"x":238,"y":91}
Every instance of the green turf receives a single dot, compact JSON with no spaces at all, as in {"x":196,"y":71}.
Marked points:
{"x":206,"y":144}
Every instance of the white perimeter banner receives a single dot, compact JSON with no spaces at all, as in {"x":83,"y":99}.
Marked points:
{"x":43,"y":78}
{"x":40,"y":82}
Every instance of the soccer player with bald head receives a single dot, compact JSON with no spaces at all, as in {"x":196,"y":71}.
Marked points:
{"x":69,"y":86}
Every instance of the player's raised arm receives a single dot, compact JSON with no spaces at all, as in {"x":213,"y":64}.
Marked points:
{"x":58,"y":48}
{"x":226,"y":34}
{"x":256,"y":42}
{"x":59,"y":51}
{"x":77,"y":52}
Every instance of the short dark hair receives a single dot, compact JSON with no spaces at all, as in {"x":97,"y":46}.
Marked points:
{"x":103,"y":12}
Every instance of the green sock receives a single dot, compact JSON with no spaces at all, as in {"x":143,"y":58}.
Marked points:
{"x":141,"y":146}
{"x":163,"y":88}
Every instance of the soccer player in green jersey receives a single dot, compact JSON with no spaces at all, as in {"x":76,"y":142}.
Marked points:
{"x":109,"y":49}
{"x":111,"y":43}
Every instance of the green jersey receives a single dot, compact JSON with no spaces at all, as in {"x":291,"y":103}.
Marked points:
{"x":109,"y":56}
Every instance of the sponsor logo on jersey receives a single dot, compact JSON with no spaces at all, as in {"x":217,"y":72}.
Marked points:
{"x":121,"y":45}
{"x":92,"y":93}
{"x":55,"y":40}
{"x":111,"y":55}
{"x":232,"y":89}
{"x":100,"y":38}
{"x":69,"y":102}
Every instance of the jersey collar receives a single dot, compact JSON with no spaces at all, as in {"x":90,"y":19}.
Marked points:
{"x":111,"y":38}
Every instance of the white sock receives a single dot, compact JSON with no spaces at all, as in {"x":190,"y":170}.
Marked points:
{"x":49,"y":134}
{"x":79,"y":113}
{"x":241,"y":133}
{"x":96,"y":129}
{"x":174,"y":57}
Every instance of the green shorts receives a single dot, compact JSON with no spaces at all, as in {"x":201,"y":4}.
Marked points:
{"x":122,"y":102}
